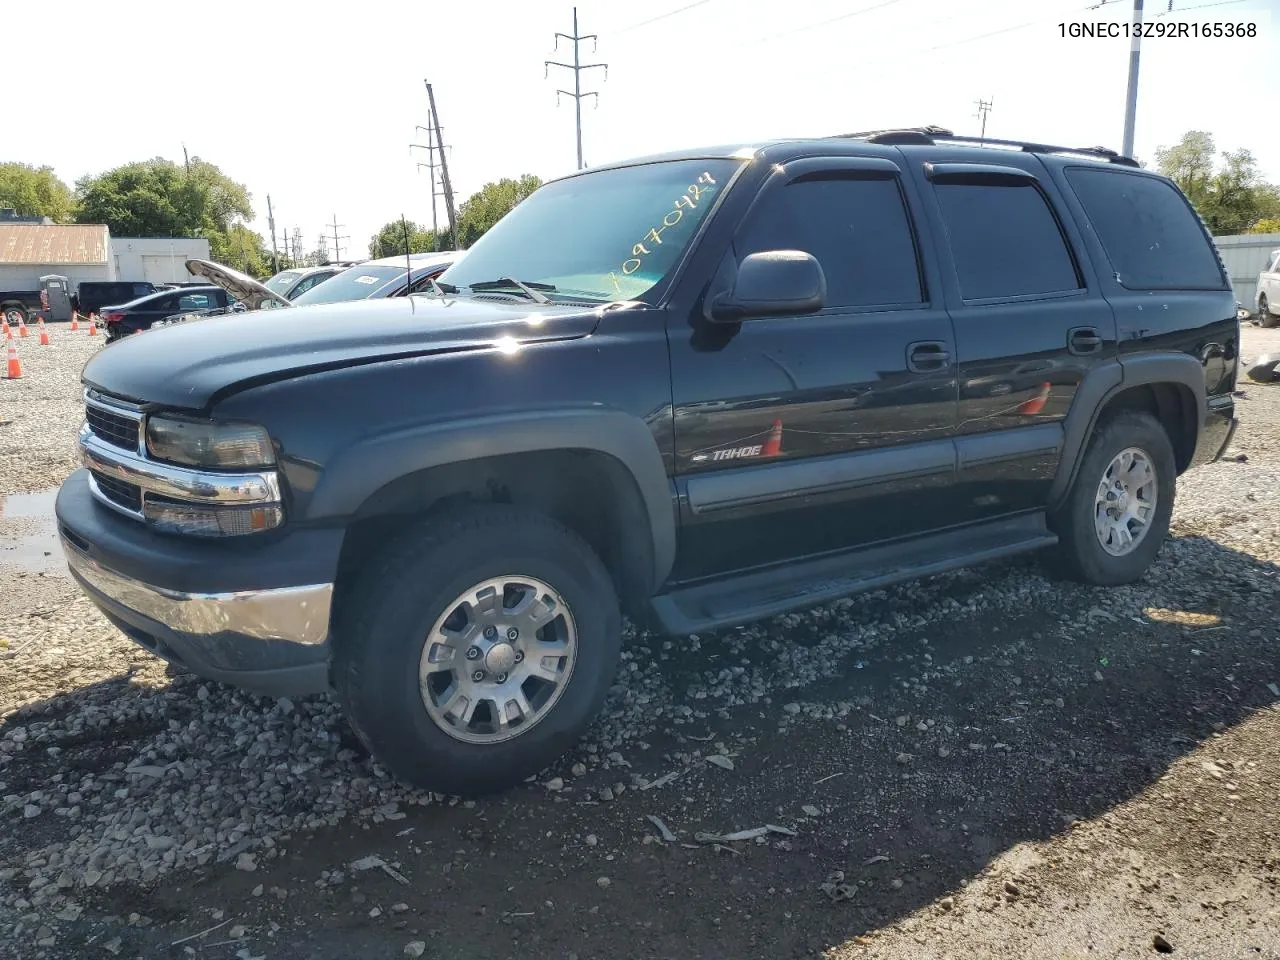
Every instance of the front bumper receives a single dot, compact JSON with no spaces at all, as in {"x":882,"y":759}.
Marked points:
{"x":252,"y":615}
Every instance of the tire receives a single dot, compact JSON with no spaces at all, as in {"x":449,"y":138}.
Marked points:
{"x":1080,"y":554}
{"x":1265,"y":317}
{"x":14,"y":312}
{"x":382,"y":631}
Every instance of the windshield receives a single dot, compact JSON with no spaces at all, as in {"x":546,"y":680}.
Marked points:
{"x":282,"y":281}
{"x":608,"y":235}
{"x":358,"y":283}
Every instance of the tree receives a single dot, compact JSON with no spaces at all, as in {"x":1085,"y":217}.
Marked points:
{"x":159,"y":198}
{"x":243,"y":249}
{"x":490,"y":204}
{"x":1232,"y":198}
{"x":35,"y":192}
{"x":389,"y":241}
{"x":1266,"y":225}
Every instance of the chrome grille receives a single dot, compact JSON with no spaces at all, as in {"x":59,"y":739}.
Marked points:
{"x":127,"y":495}
{"x":117,"y":429}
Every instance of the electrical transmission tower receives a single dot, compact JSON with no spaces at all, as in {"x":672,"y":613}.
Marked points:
{"x":984,"y":108}
{"x":431,"y":147}
{"x":577,"y":67}
{"x":298,"y":253}
{"x":444,"y":167}
{"x":337,"y":247}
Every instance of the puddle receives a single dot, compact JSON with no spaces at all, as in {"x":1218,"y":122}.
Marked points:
{"x":29,"y":533}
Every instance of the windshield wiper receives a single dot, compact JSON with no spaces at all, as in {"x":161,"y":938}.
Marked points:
{"x":529,"y":289}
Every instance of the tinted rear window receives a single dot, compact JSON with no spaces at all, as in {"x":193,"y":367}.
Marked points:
{"x":1148,"y":231}
{"x":1005,"y":240}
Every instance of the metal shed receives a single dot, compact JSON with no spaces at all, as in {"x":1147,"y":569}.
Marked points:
{"x":28,"y":251}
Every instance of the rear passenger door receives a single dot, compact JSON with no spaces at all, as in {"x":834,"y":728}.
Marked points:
{"x":801,"y":435}
{"x":1029,"y":324}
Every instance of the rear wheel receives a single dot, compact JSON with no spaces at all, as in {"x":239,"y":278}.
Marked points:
{"x":1116,"y":515}
{"x":1265,"y":317}
{"x":477,"y":649}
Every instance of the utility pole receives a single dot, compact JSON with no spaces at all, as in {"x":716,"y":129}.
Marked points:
{"x":444,"y":169}
{"x":1131,"y":95}
{"x":577,"y":67}
{"x":984,"y":107}
{"x":186,"y":161}
{"x":431,"y":165}
{"x":337,"y":247}
{"x":271,"y":225}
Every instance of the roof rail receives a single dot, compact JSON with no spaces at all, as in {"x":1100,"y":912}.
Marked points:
{"x":925,"y":136}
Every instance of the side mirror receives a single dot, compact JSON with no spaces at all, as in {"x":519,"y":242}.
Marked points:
{"x":772,"y":283}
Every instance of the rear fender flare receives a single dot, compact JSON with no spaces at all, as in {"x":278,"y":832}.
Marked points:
{"x":363,"y":469}
{"x":1101,"y":384}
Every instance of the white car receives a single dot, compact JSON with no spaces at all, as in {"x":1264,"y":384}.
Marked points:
{"x":1268,"y":298}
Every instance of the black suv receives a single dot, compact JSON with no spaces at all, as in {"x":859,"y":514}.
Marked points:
{"x":701,"y":388}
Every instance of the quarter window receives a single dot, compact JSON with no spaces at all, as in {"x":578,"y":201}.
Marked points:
{"x":1005,"y":240}
{"x":1149,"y":232}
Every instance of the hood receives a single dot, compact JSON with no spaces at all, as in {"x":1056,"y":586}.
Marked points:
{"x":190,"y":365}
{"x":241,"y":286}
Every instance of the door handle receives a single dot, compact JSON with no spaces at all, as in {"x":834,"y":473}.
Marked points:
{"x":927,"y":356}
{"x":1083,"y":340}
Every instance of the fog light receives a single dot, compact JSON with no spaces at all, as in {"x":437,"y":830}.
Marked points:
{"x":210,"y":521}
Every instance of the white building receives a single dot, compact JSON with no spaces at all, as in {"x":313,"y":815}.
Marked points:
{"x":157,"y":259}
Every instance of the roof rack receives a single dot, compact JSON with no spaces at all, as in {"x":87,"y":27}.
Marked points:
{"x":927,"y":136}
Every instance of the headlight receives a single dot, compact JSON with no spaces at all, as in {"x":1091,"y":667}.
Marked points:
{"x":196,"y":443}
{"x":200,"y":520}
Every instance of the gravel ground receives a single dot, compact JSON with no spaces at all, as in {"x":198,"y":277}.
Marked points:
{"x":986,"y":763}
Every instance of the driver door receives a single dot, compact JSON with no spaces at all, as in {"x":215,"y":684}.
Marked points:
{"x":802,"y":435}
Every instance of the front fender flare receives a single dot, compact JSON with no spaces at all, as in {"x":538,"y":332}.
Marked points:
{"x":363,"y":469}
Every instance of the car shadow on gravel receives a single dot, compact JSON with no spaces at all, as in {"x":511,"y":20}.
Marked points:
{"x":967,"y":726}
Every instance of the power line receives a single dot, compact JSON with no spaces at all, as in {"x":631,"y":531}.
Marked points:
{"x":661,"y":16}
{"x":577,"y":67}
{"x":1203,"y":6}
{"x":984,"y":108}
{"x":823,"y":23}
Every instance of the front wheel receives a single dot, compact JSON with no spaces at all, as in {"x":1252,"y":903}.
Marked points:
{"x":477,"y":649}
{"x":14,"y":314}
{"x":1116,"y":515}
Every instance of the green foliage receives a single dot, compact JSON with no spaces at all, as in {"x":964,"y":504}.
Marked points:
{"x":1232,"y":198}
{"x":1266,"y":225}
{"x":490,"y":204}
{"x":35,"y":192}
{"x":389,"y":241}
{"x":243,"y":249}
{"x":159,"y":198}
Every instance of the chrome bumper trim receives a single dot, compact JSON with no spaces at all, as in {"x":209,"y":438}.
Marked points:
{"x":179,"y":483}
{"x":294,"y":614}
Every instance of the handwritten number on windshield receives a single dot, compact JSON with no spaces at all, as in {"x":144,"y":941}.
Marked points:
{"x":687,"y":201}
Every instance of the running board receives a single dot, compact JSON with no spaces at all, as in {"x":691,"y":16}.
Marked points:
{"x":767,"y":593}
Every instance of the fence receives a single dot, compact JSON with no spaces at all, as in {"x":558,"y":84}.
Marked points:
{"x":1246,"y":256}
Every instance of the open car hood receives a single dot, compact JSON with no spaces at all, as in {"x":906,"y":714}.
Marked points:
{"x":241,"y":286}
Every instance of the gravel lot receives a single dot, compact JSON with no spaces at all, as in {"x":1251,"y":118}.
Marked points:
{"x":987,"y":763}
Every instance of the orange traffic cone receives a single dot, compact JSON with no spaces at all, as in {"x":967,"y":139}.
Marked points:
{"x":8,"y":330}
{"x":75,"y":322}
{"x":15,"y":365}
{"x":44,"y":334}
{"x":93,"y":330}
{"x":1033,"y":406}
{"x":22,"y":327}
{"x":773,"y":446}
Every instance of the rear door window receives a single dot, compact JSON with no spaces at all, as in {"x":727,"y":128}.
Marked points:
{"x":1148,"y":230}
{"x":197,"y":301}
{"x":1005,"y":240}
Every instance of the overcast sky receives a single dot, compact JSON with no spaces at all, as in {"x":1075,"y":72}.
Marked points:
{"x":317,"y":108}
